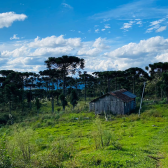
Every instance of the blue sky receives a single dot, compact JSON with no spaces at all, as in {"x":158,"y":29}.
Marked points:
{"x":109,"y":35}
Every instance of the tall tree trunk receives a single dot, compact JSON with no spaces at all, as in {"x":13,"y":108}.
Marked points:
{"x":85,"y":90}
{"x":64,"y":89}
{"x":52,"y":97}
{"x":133,"y":84}
{"x":108,"y":84}
{"x":22,"y":95}
{"x":10,"y":107}
{"x":30,"y":99}
{"x":155,"y":91}
{"x":100,"y":88}
{"x":116,"y":83}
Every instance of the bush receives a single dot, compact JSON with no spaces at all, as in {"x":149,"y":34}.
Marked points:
{"x":4,"y":119}
{"x":151,"y":113}
{"x":49,"y":123}
{"x":21,"y":148}
{"x":5,"y":160}
{"x":134,"y":117}
{"x":62,"y":150}
{"x":101,"y":136}
{"x":58,"y":109}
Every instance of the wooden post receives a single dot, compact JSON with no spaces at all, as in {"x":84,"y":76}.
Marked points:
{"x":141,"y":99}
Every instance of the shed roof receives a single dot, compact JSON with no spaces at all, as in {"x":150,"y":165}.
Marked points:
{"x":130,"y":94}
{"x":119,"y":94}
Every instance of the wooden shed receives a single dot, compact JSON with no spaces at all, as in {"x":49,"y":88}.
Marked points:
{"x":116,"y":102}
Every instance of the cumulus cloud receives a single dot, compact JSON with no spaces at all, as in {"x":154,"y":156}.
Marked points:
{"x":93,"y":49}
{"x":140,"y":54}
{"x":54,"y":41}
{"x":145,"y":48}
{"x":162,"y":57}
{"x":6,"y":19}
{"x":30,"y":55}
{"x":17,"y":52}
{"x":14,"y":37}
{"x":100,"y":43}
{"x":52,"y":52}
{"x":103,"y":29}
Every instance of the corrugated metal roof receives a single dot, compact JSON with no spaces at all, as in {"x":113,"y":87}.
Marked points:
{"x":99,"y":97}
{"x":129,"y":94}
{"x":120,"y":94}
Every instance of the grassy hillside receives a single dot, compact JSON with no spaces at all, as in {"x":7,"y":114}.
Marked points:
{"x":78,"y":138}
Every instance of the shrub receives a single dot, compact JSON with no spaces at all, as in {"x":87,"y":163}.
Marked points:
{"x":101,"y":136}
{"x":58,"y":109}
{"x":21,"y":148}
{"x":62,"y":150}
{"x":5,"y":160}
{"x":49,"y":123}
{"x":37,"y":125}
{"x":134,"y":117}
{"x":57,"y":117}
{"x":151,"y":113}
{"x":4,"y":119}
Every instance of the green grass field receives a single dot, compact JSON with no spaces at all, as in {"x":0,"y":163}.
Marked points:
{"x":78,"y":138}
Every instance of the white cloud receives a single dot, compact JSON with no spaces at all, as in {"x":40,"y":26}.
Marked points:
{"x":140,"y":54}
{"x":52,"y":52}
{"x":107,"y":26}
{"x":93,"y":49}
{"x":161,"y":29}
{"x":54,"y":41}
{"x":156,"y":22}
{"x":30,"y":55}
{"x":6,"y":19}
{"x":67,"y":5}
{"x":14,"y":37}
{"x":100,"y":43}
{"x":139,"y":23}
{"x":97,"y":30}
{"x":79,"y":31}
{"x":162,"y":57}
{"x":128,"y":25}
{"x":155,"y":25}
{"x":18,"y":52}
{"x":103,"y":29}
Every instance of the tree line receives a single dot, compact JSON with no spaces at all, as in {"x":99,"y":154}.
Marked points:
{"x":67,"y":73}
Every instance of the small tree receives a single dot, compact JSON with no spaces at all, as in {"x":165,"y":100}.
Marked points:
{"x":38,"y":105}
{"x":63,"y":100}
{"x":74,"y":98}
